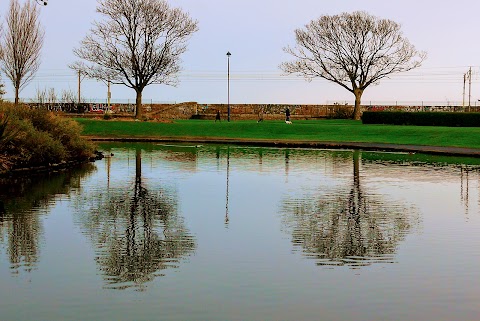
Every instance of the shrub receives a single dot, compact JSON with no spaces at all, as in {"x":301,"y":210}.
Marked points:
{"x":450,"y":119}
{"x":341,"y":112}
{"x":39,"y":147}
{"x":31,"y":137}
{"x":7,"y":133}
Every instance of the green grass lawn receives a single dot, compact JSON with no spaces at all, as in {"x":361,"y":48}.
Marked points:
{"x":307,"y":130}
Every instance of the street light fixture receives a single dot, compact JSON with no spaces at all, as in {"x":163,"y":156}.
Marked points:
{"x":228,"y":82}
{"x":42,"y":3}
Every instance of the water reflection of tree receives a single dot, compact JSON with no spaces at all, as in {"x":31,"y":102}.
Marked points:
{"x":347,"y":226}
{"x":137,"y":232}
{"x":22,"y":202}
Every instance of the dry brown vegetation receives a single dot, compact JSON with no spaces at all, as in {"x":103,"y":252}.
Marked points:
{"x":35,"y":137}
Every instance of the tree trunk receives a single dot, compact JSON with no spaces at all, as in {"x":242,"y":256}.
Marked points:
{"x":358,"y":98}
{"x":17,"y":94}
{"x":138,"y":108}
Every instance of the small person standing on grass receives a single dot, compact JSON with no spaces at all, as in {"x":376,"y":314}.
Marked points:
{"x":217,"y":116}
{"x":260,"y":115}
{"x":287,"y":115}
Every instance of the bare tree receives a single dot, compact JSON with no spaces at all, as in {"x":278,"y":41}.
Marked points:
{"x":68,"y":97}
{"x":138,"y":44}
{"x":41,"y":96}
{"x":21,"y":43}
{"x":52,"y":97}
{"x":353,"y":50}
{"x":2,"y":85}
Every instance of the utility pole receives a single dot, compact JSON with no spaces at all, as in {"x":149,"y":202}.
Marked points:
{"x":109,"y":94}
{"x":464,"y":81}
{"x":469,"y":87}
{"x":79,"y":80}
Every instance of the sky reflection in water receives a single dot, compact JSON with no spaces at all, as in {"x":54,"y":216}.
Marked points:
{"x":265,"y":233}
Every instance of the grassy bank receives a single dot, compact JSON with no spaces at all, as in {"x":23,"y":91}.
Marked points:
{"x":317,"y":131}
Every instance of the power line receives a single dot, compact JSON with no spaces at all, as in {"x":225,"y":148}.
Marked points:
{"x":431,"y":75}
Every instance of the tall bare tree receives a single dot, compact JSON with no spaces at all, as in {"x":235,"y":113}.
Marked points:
{"x":21,"y":44}
{"x":139,"y":43}
{"x":2,"y":85}
{"x":353,"y":50}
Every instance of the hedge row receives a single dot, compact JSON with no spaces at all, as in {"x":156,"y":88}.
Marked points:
{"x":448,"y":119}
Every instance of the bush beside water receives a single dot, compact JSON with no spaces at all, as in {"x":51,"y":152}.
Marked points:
{"x":36,"y":137}
{"x":448,"y":119}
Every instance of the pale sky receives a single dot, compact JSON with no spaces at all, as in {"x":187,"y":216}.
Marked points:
{"x":255,"y":31}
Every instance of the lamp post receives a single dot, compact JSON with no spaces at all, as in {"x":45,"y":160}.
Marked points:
{"x":228,"y":82}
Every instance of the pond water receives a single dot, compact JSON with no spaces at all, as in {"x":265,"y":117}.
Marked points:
{"x":213,"y":232}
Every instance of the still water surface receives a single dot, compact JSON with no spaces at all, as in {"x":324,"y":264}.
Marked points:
{"x":162,"y":232}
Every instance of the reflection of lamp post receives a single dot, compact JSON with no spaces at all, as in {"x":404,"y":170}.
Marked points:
{"x":228,"y":82}
{"x":227,"y":219}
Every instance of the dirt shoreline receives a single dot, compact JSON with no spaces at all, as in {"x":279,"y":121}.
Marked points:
{"x":437,"y":150}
